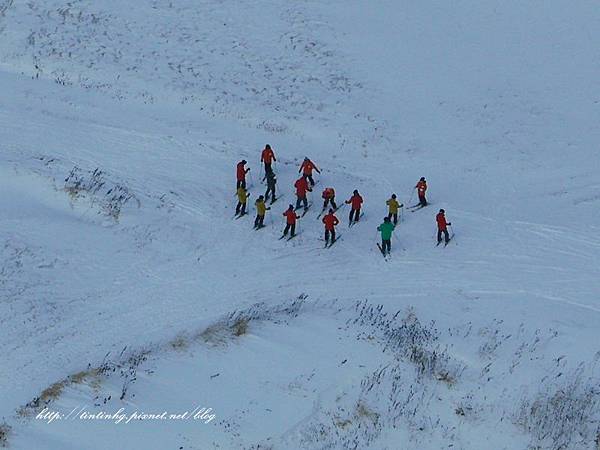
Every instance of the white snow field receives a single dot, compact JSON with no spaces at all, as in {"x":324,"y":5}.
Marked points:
{"x":127,"y":288}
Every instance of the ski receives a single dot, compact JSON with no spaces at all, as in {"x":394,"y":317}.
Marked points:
{"x":351,"y":224}
{"x":325,"y":209}
{"x":292,"y":237}
{"x":259,"y":227}
{"x":240,"y":216}
{"x":329,"y":245}
{"x":385,"y":256}
{"x":306,"y":210}
{"x":276,"y":198}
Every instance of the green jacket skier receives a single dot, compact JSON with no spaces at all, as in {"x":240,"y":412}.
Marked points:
{"x":386,"y":229}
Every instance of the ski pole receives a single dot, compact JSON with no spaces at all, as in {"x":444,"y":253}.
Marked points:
{"x":452,"y":235}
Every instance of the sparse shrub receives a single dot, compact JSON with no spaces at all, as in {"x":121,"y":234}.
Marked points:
{"x":4,"y":432}
{"x":563,"y":414}
{"x":79,"y":183}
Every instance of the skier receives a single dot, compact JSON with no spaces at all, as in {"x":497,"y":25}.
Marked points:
{"x":330,"y":222}
{"x":241,"y":174}
{"x":271,"y":182}
{"x":328,"y":197}
{"x":267,"y":157}
{"x":242,"y":195}
{"x":386,"y":229}
{"x":393,"y":207}
{"x":291,"y":218}
{"x":261,"y":210}
{"x":356,"y":203}
{"x":421,"y":187}
{"x":442,"y":225}
{"x":302,"y":188}
{"x":306,"y":168}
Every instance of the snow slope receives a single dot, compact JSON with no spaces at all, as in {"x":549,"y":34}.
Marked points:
{"x":495,"y":103}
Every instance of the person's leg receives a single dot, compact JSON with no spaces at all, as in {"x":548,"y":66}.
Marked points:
{"x":395,"y":218}
{"x":273,"y":193}
{"x":243,"y":209}
{"x":305,"y":201}
{"x":287,"y":228}
{"x":439,"y":236}
{"x":267,"y":192}
{"x":351,"y":216}
{"x":325,"y":203}
{"x":357,"y":215}
{"x":422,"y":200}
{"x":293,"y":229}
{"x":298,"y":200}
{"x":333,"y":235}
{"x":256,"y":221}
{"x":268,"y":168}
{"x":237,"y":208}
{"x":312,"y":182}
{"x":389,"y":245}
{"x":446,"y":236}
{"x":326,"y":235}
{"x":333,"y":203}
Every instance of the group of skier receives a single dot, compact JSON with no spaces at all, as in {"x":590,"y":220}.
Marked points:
{"x":305,"y":184}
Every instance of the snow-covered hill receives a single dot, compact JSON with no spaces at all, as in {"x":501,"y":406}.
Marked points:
{"x":125,"y":282}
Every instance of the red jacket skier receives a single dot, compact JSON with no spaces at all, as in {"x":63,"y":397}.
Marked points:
{"x":307,"y":168}
{"x":330,"y":222}
{"x":291,"y":218}
{"x":442,"y":226}
{"x":328,"y":197}
{"x":302,"y":188}
{"x":241,"y":172}
{"x":267,"y":157}
{"x":421,"y":188}
{"x":356,"y":202}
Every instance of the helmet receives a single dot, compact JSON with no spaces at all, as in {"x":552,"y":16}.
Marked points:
{"x":260,"y":197}
{"x":355,"y":192}
{"x":442,"y":211}
{"x":291,"y":207}
{"x":393,"y":195}
{"x":268,"y":146}
{"x":244,"y":161}
{"x":422,"y":178}
{"x":386,"y":219}
{"x":330,"y":210}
